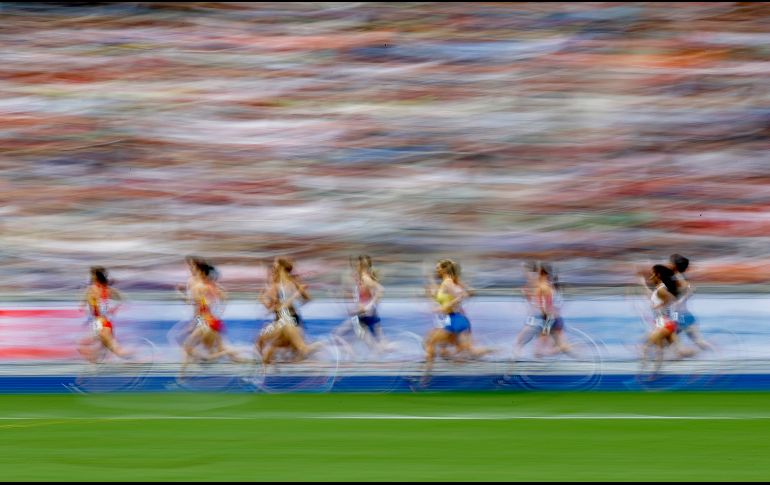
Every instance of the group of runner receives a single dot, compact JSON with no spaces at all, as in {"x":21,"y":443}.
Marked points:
{"x":669,"y":291}
{"x":284,"y":337}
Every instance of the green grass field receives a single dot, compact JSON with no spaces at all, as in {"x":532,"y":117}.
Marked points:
{"x":400,"y":437}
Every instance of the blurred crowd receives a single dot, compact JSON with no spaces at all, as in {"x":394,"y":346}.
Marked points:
{"x":594,"y":135}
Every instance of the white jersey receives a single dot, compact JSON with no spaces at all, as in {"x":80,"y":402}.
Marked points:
{"x":664,"y":312}
{"x":285,"y":315}
{"x":657,"y":300}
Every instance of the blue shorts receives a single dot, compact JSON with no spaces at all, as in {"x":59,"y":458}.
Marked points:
{"x":371,"y":322}
{"x":685,"y":320}
{"x":458,"y":323}
{"x":546,"y":325}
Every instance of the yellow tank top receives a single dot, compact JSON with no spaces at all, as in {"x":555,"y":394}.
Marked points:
{"x":443,"y":298}
{"x":203,"y":306}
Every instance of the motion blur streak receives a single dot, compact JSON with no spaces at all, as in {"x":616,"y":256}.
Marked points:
{"x":596,"y":135}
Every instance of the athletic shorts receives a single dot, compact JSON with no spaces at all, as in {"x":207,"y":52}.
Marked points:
{"x":546,"y":325}
{"x":369,"y":322}
{"x":215,"y":324}
{"x":458,"y":323}
{"x":298,"y":321}
{"x":684,"y":320}
{"x":667,"y":323}
{"x":98,"y":323}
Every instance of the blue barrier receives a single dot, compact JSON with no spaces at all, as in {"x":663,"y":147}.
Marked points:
{"x":617,"y":382}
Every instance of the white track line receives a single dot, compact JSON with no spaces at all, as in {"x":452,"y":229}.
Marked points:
{"x":511,"y":417}
{"x":386,"y":417}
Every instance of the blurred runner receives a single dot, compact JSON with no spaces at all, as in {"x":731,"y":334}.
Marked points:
{"x":98,"y":299}
{"x":365,"y":322}
{"x":285,"y":333}
{"x":208,"y":298}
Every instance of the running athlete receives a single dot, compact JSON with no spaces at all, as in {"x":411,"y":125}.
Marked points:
{"x":456,"y":329}
{"x":686,"y":322}
{"x":663,"y":299}
{"x":285,"y":332}
{"x":545,"y":319}
{"x":185,"y":291}
{"x":533,"y":324}
{"x":365,"y":322}
{"x":206,"y":295}
{"x":97,"y":299}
